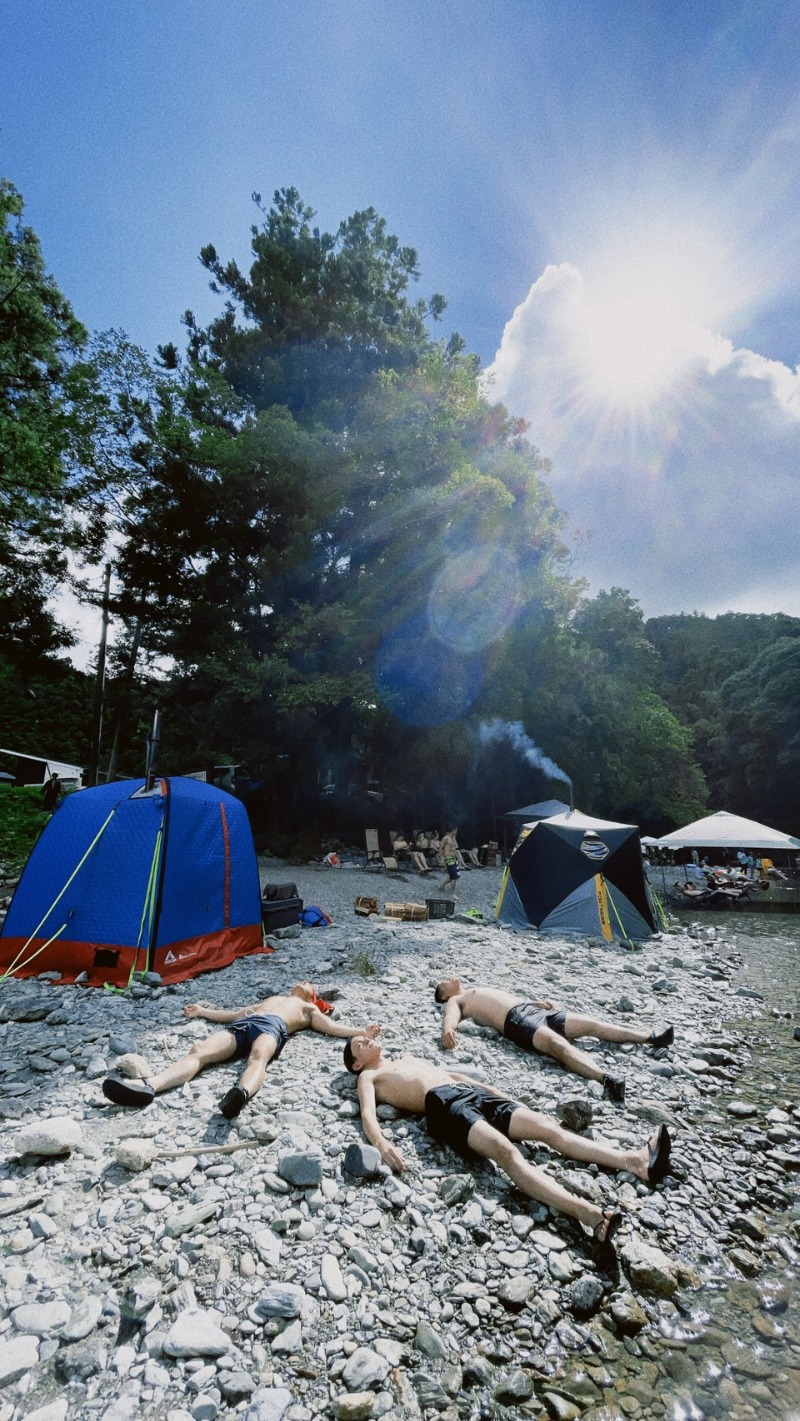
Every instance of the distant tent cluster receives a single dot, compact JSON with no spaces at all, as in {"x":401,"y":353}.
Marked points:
{"x":122,"y":880}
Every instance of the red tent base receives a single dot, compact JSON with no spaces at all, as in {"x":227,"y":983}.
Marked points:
{"x":107,"y":964}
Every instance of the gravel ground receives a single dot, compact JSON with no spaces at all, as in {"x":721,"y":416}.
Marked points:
{"x":272,"y":1285}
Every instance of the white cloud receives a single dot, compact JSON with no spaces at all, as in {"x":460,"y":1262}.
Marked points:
{"x":688,"y":489}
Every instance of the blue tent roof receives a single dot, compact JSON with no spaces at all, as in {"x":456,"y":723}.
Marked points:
{"x":123,"y":880}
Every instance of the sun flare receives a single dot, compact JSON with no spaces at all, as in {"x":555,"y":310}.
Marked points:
{"x":646,"y":315}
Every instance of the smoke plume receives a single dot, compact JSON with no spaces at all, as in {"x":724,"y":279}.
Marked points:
{"x":490,"y":732}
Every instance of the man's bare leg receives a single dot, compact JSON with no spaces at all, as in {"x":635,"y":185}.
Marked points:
{"x":575,"y":1025}
{"x":550,"y":1043}
{"x":490,"y":1144}
{"x":531,"y":1125}
{"x":219,"y":1046}
{"x":261,"y":1054}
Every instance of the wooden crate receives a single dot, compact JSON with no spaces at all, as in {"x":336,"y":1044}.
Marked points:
{"x":406,"y":912}
{"x":364,"y":905}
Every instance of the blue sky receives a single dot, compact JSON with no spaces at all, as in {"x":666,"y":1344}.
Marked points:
{"x":606,"y":193}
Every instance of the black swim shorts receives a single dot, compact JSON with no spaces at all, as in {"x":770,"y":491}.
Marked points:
{"x":452,"y":1110}
{"x":248,"y":1028}
{"x":524,"y":1020}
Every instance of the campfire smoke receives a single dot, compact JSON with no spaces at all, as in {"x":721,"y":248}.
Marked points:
{"x":491,"y":732}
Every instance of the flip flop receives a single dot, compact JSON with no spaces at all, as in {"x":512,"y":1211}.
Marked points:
{"x":128,"y":1092}
{"x":233,"y":1102}
{"x":658,"y":1163}
{"x":611,"y":1220}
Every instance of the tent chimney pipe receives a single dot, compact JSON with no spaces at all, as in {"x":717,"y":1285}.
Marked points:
{"x":152,"y":752}
{"x":571,"y":797}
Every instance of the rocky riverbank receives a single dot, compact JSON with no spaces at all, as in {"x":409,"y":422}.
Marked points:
{"x":271,"y":1284}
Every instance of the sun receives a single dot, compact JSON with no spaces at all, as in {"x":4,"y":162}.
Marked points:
{"x":647,"y":314}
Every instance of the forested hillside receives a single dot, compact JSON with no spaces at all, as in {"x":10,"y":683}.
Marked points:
{"x":335,"y":559}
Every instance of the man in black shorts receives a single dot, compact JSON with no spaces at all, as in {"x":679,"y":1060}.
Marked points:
{"x":477,"y":1119}
{"x":256,"y":1034}
{"x":537,"y":1026}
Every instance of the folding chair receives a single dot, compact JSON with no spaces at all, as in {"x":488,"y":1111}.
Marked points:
{"x":374,"y":855}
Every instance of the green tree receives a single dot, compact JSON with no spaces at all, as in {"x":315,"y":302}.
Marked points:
{"x":46,"y":421}
{"x":757,"y":745}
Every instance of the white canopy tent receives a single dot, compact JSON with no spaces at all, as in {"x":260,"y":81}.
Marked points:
{"x":728,"y":831}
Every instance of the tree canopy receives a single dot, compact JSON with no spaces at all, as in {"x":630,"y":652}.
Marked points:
{"x":335,"y":558}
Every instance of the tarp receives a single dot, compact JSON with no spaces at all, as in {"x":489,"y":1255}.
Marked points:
{"x":545,"y":810}
{"x":727,"y":831}
{"x":124,"y":881}
{"x":571,"y":873}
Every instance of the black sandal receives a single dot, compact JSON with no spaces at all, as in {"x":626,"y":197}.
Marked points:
{"x":658,"y":1163}
{"x":233,"y":1102}
{"x":611,"y":1220}
{"x":128,"y":1092}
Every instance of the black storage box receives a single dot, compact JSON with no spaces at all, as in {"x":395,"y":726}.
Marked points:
{"x":280,"y":906}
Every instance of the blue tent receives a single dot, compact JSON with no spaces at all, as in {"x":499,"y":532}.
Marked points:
{"x":122,"y":881}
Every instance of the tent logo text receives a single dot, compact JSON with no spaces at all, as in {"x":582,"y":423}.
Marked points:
{"x":594,"y":848}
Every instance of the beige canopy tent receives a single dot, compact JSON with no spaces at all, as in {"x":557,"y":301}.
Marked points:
{"x":728,"y":831}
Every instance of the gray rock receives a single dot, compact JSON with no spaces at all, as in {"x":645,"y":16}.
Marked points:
{"x":364,"y":1370}
{"x":204,"y":1407}
{"x":514,"y":1292}
{"x":303,"y":1170}
{"x":82,"y":1320}
{"x":560,"y":1407}
{"x":627,"y":1314}
{"x":268,"y":1404}
{"x":42,"y":1319}
{"x":514,"y":1385}
{"x":236,"y":1386}
{"x":123,"y":1045}
{"x":353,"y":1406}
{"x":625,"y":1005}
{"x":428,"y":1341}
{"x":34,"y":1006}
{"x":455,"y":1188}
{"x":17,"y":1357}
{"x":55,"y":1411}
{"x":48,"y":1137}
{"x":81,"y":1360}
{"x":332,"y":1280}
{"x":361,"y":1161}
{"x":290,"y":1340}
{"x":649,"y":1270}
{"x":195,"y":1334}
{"x":281,"y":1300}
{"x":429,"y":1392}
{"x":575,"y":1113}
{"x":585,"y":1295}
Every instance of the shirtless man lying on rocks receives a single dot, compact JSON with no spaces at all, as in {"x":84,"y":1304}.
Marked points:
{"x":256,"y":1034}
{"x":474,"y":1117}
{"x":537,"y":1026}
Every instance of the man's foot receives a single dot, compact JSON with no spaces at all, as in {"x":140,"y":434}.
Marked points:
{"x":233,"y":1102}
{"x":664,"y":1037}
{"x":128,"y":1092}
{"x":660,"y":1146}
{"x":614,"y":1089}
{"x":603,"y":1232}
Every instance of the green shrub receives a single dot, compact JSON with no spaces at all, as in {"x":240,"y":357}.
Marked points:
{"x":22,"y":818}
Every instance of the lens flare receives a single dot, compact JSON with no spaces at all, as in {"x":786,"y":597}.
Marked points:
{"x":475,"y":598}
{"x":421,"y":680}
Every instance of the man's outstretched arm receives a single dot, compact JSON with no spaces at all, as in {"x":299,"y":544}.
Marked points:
{"x":217,"y":1014}
{"x":372,"y":1130}
{"x":450,"y":1021}
{"x":322,"y":1023}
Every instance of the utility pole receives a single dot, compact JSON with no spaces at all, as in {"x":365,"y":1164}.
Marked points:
{"x":152,"y":752}
{"x":99,"y":686}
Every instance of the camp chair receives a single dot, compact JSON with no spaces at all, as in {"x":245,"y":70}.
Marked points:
{"x":374,"y":855}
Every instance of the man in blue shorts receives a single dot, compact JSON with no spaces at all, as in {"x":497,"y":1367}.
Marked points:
{"x":535,"y":1025}
{"x":256,"y":1034}
{"x":476,"y":1119}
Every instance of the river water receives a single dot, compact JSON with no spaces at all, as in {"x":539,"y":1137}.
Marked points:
{"x":736,"y":1351}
